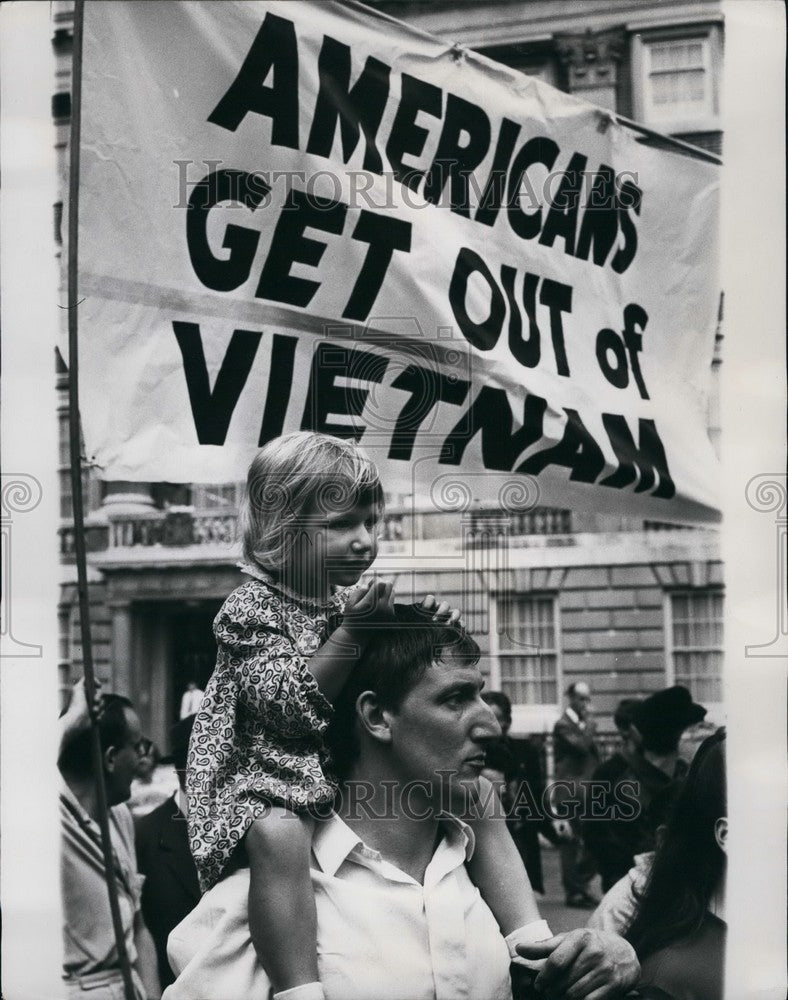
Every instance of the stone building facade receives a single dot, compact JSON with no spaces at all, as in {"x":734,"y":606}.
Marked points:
{"x":552,"y":595}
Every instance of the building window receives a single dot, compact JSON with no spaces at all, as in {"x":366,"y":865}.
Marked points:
{"x":528,"y":649}
{"x":223,"y":496}
{"x":676,"y":80}
{"x":538,"y":521}
{"x":695,"y":642}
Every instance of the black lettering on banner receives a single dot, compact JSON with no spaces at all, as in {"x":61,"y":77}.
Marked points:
{"x":609,"y":348}
{"x":427,"y":388}
{"x":289,"y":246}
{"x":358,"y":108}
{"x":629,"y":196}
{"x":525,"y":351}
{"x":484,"y":336}
{"x":274,"y":48}
{"x":643,"y":462}
{"x":406,"y":137}
{"x":630,"y":342}
{"x":599,"y":226}
{"x":212,"y":410}
{"x":491,"y":415}
{"x":562,"y":216}
{"x":325,"y":398}
{"x":454,"y":161}
{"x":635,"y":316}
{"x":384,"y":234}
{"x":280,"y":384}
{"x":537,"y":150}
{"x":558,"y":299}
{"x":223,"y":185}
{"x":577,"y":450}
{"x":495,"y":189}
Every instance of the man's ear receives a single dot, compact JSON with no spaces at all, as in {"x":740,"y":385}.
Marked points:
{"x":108,"y":756}
{"x":721,"y":833}
{"x":375,"y":720}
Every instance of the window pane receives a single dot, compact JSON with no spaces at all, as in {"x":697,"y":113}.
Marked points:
{"x":683,"y":87}
{"x":677,"y":55}
{"x":697,"y":642}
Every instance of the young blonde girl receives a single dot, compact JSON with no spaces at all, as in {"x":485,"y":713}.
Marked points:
{"x":287,"y":640}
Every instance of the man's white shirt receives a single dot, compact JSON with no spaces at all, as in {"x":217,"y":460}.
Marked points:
{"x":381,"y":933}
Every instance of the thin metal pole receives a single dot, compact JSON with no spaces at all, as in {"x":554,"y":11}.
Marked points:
{"x":678,"y":145}
{"x":77,"y":500}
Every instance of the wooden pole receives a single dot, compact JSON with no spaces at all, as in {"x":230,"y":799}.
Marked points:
{"x":77,"y":499}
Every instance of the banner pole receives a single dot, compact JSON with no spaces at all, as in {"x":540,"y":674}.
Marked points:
{"x":77,"y":498}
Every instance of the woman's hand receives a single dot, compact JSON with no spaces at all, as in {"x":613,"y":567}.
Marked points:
{"x":443,"y":612}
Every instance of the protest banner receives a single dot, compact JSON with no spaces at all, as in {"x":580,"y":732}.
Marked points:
{"x":307,"y":215}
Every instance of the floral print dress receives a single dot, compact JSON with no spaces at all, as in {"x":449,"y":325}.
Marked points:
{"x":258,"y":736}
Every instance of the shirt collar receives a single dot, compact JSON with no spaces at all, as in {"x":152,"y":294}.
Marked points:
{"x":572,"y":714}
{"x":75,"y":806}
{"x":258,"y":574}
{"x":334,"y":842}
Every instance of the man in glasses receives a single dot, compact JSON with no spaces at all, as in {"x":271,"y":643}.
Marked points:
{"x":90,"y":960}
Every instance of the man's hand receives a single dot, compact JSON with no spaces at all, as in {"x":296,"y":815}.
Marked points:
{"x":443,"y":612}
{"x":596,"y":965}
{"x":76,"y":717}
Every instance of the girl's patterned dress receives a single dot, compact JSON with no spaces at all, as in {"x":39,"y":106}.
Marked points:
{"x":258,"y":737}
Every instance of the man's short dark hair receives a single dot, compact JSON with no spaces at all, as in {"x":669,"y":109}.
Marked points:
{"x":394,"y":661}
{"x":76,"y":757}
{"x":499,"y":700}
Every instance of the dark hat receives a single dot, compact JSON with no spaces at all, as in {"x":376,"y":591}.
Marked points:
{"x":671,"y":710}
{"x":179,"y":742}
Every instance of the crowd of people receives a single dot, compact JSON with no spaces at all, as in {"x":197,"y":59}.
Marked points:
{"x":348,"y":815}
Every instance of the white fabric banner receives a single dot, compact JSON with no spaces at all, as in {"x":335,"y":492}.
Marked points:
{"x":308,"y":215}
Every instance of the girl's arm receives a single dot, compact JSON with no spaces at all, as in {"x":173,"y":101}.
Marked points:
{"x":333,"y":662}
{"x":498,"y":872}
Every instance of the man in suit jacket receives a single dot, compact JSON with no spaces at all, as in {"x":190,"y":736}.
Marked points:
{"x":171,"y":890}
{"x":576,"y":757}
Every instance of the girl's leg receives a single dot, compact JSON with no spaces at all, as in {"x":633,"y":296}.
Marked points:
{"x":496,"y":867}
{"x":282,"y":916}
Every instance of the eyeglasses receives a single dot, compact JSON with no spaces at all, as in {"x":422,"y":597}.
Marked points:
{"x":143,"y":747}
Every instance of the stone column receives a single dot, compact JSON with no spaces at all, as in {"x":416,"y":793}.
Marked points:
{"x":121,"y":649}
{"x":591,"y":60}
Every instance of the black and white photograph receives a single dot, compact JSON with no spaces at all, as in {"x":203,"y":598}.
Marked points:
{"x":393,"y":500}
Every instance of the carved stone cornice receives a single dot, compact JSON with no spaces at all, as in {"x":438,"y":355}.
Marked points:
{"x":591,"y":58}
{"x":589,"y":48}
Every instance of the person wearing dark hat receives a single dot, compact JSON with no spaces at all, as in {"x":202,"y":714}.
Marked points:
{"x":658,"y":723}
{"x":171,"y":890}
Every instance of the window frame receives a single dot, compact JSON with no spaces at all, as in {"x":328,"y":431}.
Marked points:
{"x":682,"y":120}
{"x":715,"y":708}
{"x":199,"y":492}
{"x":526,"y":718}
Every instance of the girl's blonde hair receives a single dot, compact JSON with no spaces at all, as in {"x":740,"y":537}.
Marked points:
{"x":295,"y":476}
